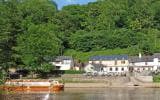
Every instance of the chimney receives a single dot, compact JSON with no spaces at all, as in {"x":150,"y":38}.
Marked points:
{"x":140,"y":55}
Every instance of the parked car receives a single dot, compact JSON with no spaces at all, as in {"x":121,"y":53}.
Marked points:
{"x":13,"y":75}
{"x":93,"y":73}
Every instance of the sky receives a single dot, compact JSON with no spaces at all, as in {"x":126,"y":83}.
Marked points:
{"x":62,"y":3}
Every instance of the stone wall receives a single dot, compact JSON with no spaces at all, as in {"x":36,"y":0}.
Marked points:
{"x":145,"y":78}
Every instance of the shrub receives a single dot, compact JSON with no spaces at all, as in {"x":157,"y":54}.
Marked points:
{"x":156,"y":78}
{"x":73,"y":72}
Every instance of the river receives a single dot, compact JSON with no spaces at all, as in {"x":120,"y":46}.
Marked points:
{"x":90,"y":94}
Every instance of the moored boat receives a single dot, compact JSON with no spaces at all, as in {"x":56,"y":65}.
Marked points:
{"x":33,"y":85}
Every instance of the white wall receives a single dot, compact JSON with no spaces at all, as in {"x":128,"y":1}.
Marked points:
{"x":89,"y":68}
{"x":107,"y":69}
{"x":111,"y":62}
{"x":65,"y":65}
{"x":153,"y":65}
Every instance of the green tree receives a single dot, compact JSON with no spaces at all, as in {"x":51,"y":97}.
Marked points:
{"x":37,"y":43}
{"x":140,"y":15}
{"x":9,"y":28}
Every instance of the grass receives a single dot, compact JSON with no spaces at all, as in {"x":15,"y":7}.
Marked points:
{"x":156,"y":78}
{"x":84,"y":56}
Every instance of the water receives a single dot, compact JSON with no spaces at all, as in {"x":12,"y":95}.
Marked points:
{"x":90,"y":94}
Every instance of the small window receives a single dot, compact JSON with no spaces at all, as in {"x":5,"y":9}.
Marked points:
{"x":110,"y":69}
{"x":122,"y":69}
{"x":145,"y":63}
{"x":57,"y":62}
{"x":143,"y":68}
{"x":101,"y":69}
{"x":116,"y":69}
{"x":115,"y":62}
{"x":58,"y":67}
{"x":100,"y":62}
{"x":123,"y":62}
{"x":149,"y":68}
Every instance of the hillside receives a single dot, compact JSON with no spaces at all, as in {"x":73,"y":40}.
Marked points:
{"x":30,"y":35}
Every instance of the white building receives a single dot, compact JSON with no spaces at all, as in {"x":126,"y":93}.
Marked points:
{"x":157,"y":56}
{"x":143,"y":63}
{"x":113,"y":63}
{"x":63,"y":62}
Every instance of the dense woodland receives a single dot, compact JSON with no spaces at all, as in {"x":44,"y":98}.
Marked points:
{"x":34,"y":31}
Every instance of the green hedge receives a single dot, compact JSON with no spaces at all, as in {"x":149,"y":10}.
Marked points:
{"x":156,"y":78}
{"x":73,"y":72}
{"x":84,"y":56}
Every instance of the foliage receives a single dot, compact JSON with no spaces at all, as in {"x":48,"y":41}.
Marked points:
{"x":2,"y":76}
{"x":109,"y":24}
{"x":29,"y":33}
{"x":73,"y":72}
{"x":38,"y":42}
{"x":84,"y":56}
{"x":156,"y":78}
{"x":22,"y":20}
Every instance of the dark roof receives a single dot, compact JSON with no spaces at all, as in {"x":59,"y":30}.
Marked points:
{"x":60,"y":58}
{"x":112,"y":57}
{"x":98,"y":67}
{"x":156,"y":55}
{"x":133,"y":59}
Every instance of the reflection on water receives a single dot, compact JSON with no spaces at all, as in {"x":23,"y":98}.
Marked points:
{"x":90,"y":94}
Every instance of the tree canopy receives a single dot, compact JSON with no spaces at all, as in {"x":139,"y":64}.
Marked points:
{"x":31,"y":30}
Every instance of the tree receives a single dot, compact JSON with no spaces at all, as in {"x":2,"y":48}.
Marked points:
{"x":140,"y":15}
{"x":9,"y":28}
{"x":38,"y":42}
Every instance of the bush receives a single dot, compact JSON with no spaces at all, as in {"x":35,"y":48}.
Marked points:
{"x":156,"y":78}
{"x":73,"y":72}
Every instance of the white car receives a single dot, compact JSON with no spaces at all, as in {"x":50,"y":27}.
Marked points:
{"x":92,"y":73}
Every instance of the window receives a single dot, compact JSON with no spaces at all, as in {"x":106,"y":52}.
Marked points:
{"x":143,"y":68}
{"x":57,"y":62}
{"x":123,"y":62}
{"x":100,"y":62}
{"x":122,"y":69}
{"x":116,"y":69}
{"x":149,"y":68}
{"x":66,"y":61}
{"x":115,"y":62}
{"x":145,"y":63}
{"x":58,"y":67}
{"x":101,"y":69}
{"x":110,"y":69}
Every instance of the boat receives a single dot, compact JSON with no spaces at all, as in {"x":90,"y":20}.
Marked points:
{"x":33,"y":85}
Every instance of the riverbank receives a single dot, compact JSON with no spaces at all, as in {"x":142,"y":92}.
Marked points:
{"x":81,"y":81}
{"x":104,"y":85}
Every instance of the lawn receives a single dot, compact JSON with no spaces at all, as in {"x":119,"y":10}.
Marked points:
{"x":84,"y":56}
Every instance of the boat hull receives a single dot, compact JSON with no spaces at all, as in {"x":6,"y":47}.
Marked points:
{"x":32,"y":86}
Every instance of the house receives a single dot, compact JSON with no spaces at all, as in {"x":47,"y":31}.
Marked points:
{"x":143,"y":63}
{"x":63,"y":62}
{"x":113,"y":63}
{"x":157,"y":56}
{"x":94,"y":67}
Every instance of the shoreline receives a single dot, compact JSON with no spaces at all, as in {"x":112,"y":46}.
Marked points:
{"x":104,"y":85}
